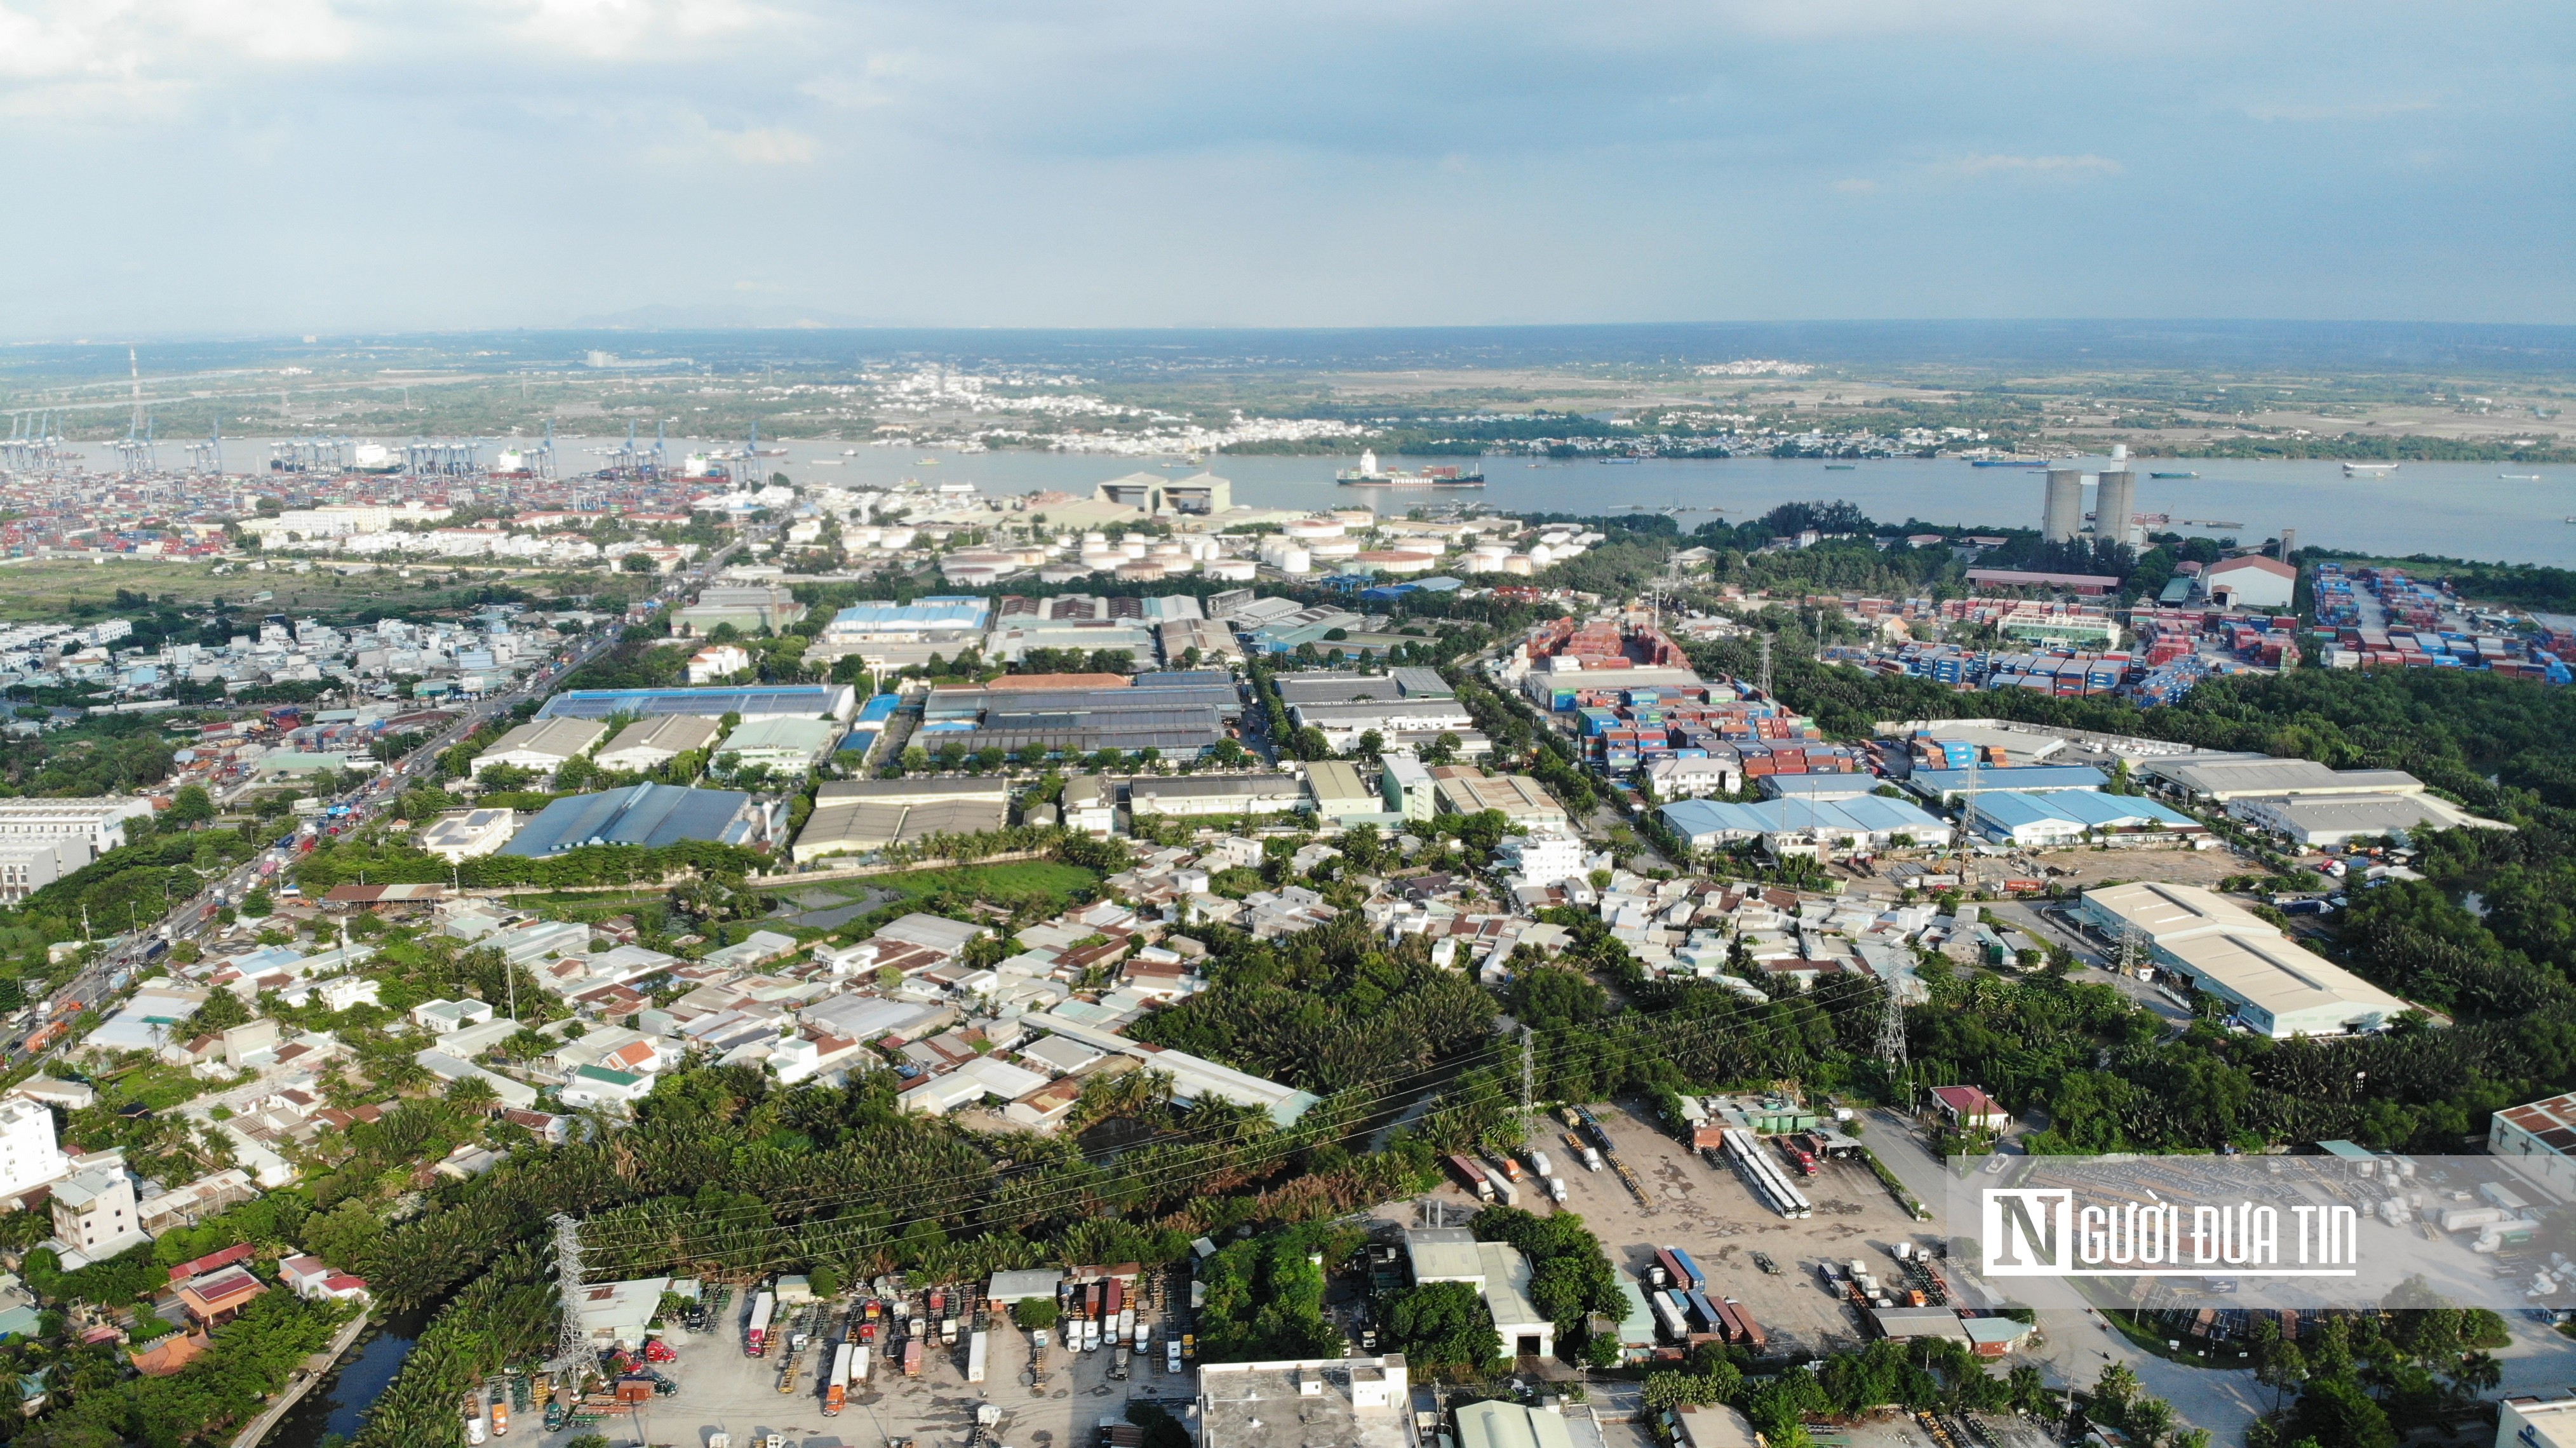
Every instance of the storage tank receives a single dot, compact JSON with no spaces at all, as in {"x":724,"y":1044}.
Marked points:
{"x":1232,"y":570}
{"x":1295,"y":560}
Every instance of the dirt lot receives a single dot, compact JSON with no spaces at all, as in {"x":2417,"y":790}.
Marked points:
{"x":721,"y":1389}
{"x":1710,"y":1214}
{"x":2172,"y":867}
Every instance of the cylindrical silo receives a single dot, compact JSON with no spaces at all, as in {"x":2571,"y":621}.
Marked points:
{"x":2061,"y":515}
{"x":2115,"y":499}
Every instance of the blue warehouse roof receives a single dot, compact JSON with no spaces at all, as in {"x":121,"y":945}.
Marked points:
{"x":2012,"y":810}
{"x":759,"y":701}
{"x":645,"y":814}
{"x":1942,"y":783}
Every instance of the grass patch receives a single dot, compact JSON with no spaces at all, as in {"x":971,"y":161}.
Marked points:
{"x":1014,"y":876}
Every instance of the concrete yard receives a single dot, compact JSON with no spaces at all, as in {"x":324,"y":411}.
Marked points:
{"x":1709,"y":1213}
{"x":722,"y":1390}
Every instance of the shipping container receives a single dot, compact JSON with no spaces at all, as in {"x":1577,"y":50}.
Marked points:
{"x":756,"y":1335}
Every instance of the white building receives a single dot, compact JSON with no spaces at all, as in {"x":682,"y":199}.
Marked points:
{"x":2250,"y":582}
{"x":29,"y":865}
{"x":1499,"y":1274}
{"x":2533,"y":1422}
{"x":446,"y":1017}
{"x":717,"y":662}
{"x":651,"y":743}
{"x":2540,"y":1138}
{"x":2276,"y":987}
{"x":1674,"y":778}
{"x":458,"y":838}
{"x":100,"y":820}
{"x":542,"y":746}
{"x":1351,"y":1402}
{"x":29,"y":1155}
{"x":1542,"y":857}
{"x":94,"y":1213}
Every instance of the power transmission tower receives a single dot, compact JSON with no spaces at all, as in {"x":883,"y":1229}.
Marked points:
{"x":1529,"y":1070}
{"x":1766,"y":666}
{"x":1891,"y":1034}
{"x":572,"y":1340}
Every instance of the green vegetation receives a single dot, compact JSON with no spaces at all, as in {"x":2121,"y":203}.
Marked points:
{"x":1265,"y":1296}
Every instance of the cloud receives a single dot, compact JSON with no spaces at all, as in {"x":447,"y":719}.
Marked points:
{"x":767,"y":146}
{"x":2069,"y":167}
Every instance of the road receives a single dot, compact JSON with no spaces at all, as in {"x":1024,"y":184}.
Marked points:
{"x":186,"y":919}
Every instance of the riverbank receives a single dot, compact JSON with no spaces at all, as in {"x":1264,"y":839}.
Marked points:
{"x":316,"y":1369}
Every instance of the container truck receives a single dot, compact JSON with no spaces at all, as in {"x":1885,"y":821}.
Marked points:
{"x":1675,"y":1326}
{"x":755,"y":1337}
{"x":1511,"y":1168}
{"x":1503,"y":1191}
{"x":1474,"y":1177}
{"x":1556,"y":1190}
{"x":977,"y":1346}
{"x":859,"y":1364}
{"x":1592,"y":1159}
{"x":1539,"y":1162}
{"x":1690,"y":1269}
{"x":912,"y":1358}
{"x":836,"y":1389}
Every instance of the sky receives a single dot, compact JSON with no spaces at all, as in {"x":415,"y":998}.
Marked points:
{"x":268,"y":166}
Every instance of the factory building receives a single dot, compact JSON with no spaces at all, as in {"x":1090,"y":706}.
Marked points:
{"x":2076,"y":817}
{"x":1220,"y":795}
{"x":541,"y":745}
{"x":2540,"y":1138}
{"x":2275,"y":986}
{"x":751,"y":701}
{"x":2250,"y":582}
{"x":1180,"y":714}
{"x":644,"y":814}
{"x":652,"y":743}
{"x":1798,"y":826}
{"x":1343,"y":724}
{"x":749,"y":608}
{"x":861,"y":816}
{"x":1465,"y":789}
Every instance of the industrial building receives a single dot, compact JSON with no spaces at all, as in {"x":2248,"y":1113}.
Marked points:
{"x":457,"y":838}
{"x":1408,"y":789}
{"x":1465,"y":789}
{"x":1084,"y":623}
{"x":99,"y":820}
{"x":2223,"y":777}
{"x":541,"y":745}
{"x":652,"y":743}
{"x":643,"y":814}
{"x":1342,"y":724}
{"x":948,"y":620}
{"x":748,"y":607}
{"x":1945,"y":786}
{"x":1305,"y":626}
{"x":2077,"y":816}
{"x":750,"y":701}
{"x":1718,"y":771}
{"x":1180,"y":714}
{"x":785,"y":744}
{"x":2534,"y":1422}
{"x":1198,"y":495}
{"x":2541,"y":1139}
{"x":1214,"y":642}
{"x":1215,"y":795}
{"x":862,"y":816}
{"x":2275,"y":986}
{"x":1498,"y":1423}
{"x":1342,"y":797}
{"x":2252,"y":581}
{"x":2316,"y":821}
{"x":1866,"y":821}
{"x":1499,"y":1274}
{"x":1349,"y":1402}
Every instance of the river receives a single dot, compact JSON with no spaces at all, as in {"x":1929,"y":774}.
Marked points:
{"x":2458,"y":510}
{"x":338,"y":1406}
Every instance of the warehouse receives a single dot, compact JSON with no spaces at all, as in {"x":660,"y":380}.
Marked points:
{"x":862,"y":816}
{"x":541,"y":746}
{"x":1342,"y":798}
{"x":1868,"y":821}
{"x":786,"y":744}
{"x":1720,"y":771}
{"x":2276,"y":987}
{"x":2225,"y":777}
{"x":946,"y":621}
{"x":1242,"y":794}
{"x":1465,"y":789}
{"x":1944,"y":786}
{"x":1213,"y":641}
{"x":2250,"y":582}
{"x":2075,"y":816}
{"x":2543,"y":1135}
{"x":643,"y":814}
{"x":1499,"y":1274}
{"x":1180,"y":714}
{"x":2315,"y":821}
{"x":752,"y":701}
{"x":1344,"y":723}
{"x":652,"y":743}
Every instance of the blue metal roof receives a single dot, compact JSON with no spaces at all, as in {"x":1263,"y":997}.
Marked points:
{"x":808,"y":701}
{"x":2013,"y":809}
{"x":879,"y":709}
{"x":945,"y":611}
{"x":1869,"y":813}
{"x":645,"y":814}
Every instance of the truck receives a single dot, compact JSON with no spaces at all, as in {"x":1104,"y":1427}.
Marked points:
{"x":1539,"y":1162}
{"x":912,"y":1358}
{"x":1474,"y":1177}
{"x":1556,"y":1190}
{"x":836,"y":1388}
{"x":859,"y":1364}
{"x":1592,"y":1159}
{"x":1504,"y":1191}
{"x":1511,"y":1168}
{"x":1697,"y":1279}
{"x":977,"y":1346}
{"x":1675,"y":1325}
{"x":755,"y":1337}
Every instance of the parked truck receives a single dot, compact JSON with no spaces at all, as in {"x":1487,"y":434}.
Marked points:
{"x":1474,"y":1177}
{"x":836,"y":1389}
{"x":977,"y":1346}
{"x":755,"y":1337}
{"x":1538,"y":1160}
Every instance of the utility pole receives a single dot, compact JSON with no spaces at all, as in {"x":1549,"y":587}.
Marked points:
{"x":1529,"y":1072}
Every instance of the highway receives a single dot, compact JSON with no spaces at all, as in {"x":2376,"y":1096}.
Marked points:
{"x":187,"y":919}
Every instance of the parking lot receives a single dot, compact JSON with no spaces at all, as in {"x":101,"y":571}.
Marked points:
{"x":723,"y":1390}
{"x":1709,"y":1213}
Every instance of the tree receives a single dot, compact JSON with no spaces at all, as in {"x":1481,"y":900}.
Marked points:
{"x":1444,"y":748}
{"x":1034,"y":1314}
{"x":1369,"y":745}
{"x":639,"y":563}
{"x":1444,"y":1325}
{"x":256,"y":903}
{"x":191,"y":806}
{"x":2338,"y":1412}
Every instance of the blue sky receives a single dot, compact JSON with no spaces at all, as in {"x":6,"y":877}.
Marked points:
{"x":287,"y":165}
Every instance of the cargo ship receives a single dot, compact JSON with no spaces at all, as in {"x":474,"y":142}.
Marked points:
{"x":2007,"y":462}
{"x":2173,"y":475}
{"x":2368,"y":470}
{"x":1369,"y":475}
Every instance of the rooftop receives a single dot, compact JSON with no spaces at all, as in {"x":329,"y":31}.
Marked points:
{"x":645,"y":814}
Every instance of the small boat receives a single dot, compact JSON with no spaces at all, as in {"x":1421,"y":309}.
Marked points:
{"x":2519,"y":477}
{"x":1841,"y":467}
{"x":2173,"y":475}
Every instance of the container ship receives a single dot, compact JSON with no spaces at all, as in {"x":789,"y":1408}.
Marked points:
{"x":1369,"y":475}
